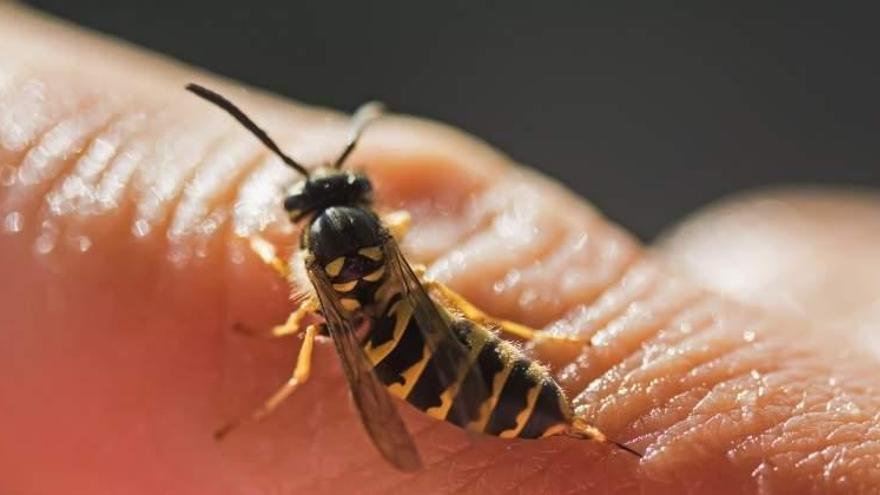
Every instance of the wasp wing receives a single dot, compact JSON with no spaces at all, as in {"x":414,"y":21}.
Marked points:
{"x":453,"y":344}
{"x":376,"y":407}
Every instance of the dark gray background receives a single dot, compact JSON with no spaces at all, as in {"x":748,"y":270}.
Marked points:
{"x":648,"y":113}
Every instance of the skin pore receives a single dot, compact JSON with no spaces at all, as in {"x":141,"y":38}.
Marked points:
{"x":739,"y":355}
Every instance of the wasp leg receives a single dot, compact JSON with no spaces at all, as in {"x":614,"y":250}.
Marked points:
{"x":266,"y":251}
{"x":398,"y":223}
{"x":300,"y":375}
{"x":471,"y":312}
{"x":292,"y":326}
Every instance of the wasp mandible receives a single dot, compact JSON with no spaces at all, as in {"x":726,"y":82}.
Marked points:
{"x":396,"y":331}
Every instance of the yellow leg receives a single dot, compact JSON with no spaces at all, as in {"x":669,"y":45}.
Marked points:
{"x":398,"y":223}
{"x":471,"y":312}
{"x":266,"y":251}
{"x":300,"y":375}
{"x":292,"y":326}
{"x":294,"y":322}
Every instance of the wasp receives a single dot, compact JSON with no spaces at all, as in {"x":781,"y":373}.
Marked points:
{"x":397,"y":332}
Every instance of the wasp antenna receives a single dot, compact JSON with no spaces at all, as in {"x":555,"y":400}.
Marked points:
{"x":365,"y":114}
{"x":244,"y":120}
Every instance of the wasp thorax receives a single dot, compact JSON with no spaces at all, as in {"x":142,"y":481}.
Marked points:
{"x":347,"y":244}
{"x":331,"y":189}
{"x":343,"y":232}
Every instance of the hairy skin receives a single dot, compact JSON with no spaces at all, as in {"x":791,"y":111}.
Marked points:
{"x":124,"y":207}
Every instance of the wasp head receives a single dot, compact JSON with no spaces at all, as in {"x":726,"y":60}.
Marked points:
{"x":320,"y":191}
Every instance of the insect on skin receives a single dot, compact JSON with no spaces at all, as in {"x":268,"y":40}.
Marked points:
{"x":395,"y":331}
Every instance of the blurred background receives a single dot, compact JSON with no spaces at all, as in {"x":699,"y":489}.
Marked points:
{"x":649,"y":114}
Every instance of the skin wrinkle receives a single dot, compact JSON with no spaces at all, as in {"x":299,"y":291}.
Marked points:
{"x":617,"y":412}
{"x":644,"y":430}
{"x":516,"y":235}
{"x":641,"y":320}
{"x":256,"y":195}
{"x":586,"y":319}
{"x":44,"y":158}
{"x":160,"y":190}
{"x":53,"y":194}
{"x":43,"y":161}
{"x":183,"y":245}
{"x":733,"y":379}
{"x":436,"y":236}
{"x":713,"y":383}
{"x":709,"y":414}
{"x":91,"y":170}
{"x":26,"y":113}
{"x":669,"y":441}
{"x":481,"y":213}
{"x":774,"y":236}
{"x":617,"y":253}
{"x":100,"y":117}
{"x":106,"y":119}
{"x":115,"y":181}
{"x":584,"y":277}
{"x":186,"y":183}
{"x":614,"y":276}
{"x":634,"y":382}
{"x":809,"y":449}
{"x":442,"y":220}
{"x":710,"y":423}
{"x":163,"y":206}
{"x":84,"y":196}
{"x":220,"y":178}
{"x":672,"y":357}
{"x":216,"y":220}
{"x":616,"y":304}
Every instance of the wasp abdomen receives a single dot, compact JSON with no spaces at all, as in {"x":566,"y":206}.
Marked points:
{"x":520,"y":398}
{"x":527,"y":402}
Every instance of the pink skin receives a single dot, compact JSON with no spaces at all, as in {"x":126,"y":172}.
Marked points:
{"x":125,"y":210}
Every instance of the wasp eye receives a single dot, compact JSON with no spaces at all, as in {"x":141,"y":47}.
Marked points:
{"x":298,"y":197}
{"x":362,"y":186}
{"x":294,"y":203}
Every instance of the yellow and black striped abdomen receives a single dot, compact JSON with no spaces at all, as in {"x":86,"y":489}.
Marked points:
{"x":520,"y":398}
